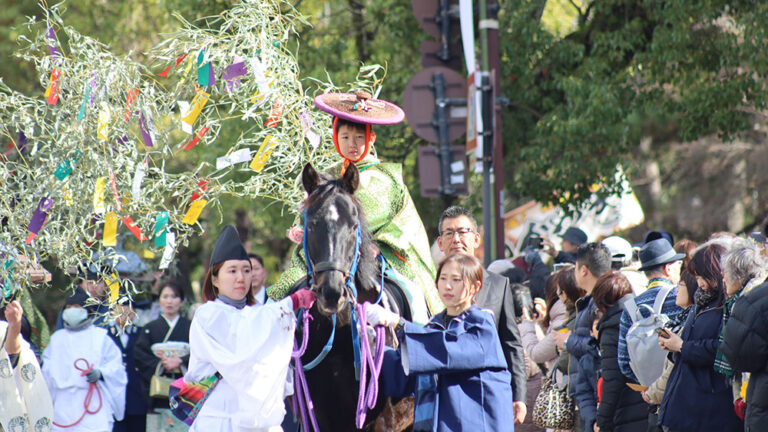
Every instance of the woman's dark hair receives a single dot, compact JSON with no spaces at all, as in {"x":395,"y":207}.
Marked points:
{"x":550,"y":296}
{"x":175,"y":287}
{"x":566,"y":281}
{"x":210,"y":292}
{"x":707,"y":264}
{"x":471,"y":269}
{"x":690,"y":284}
{"x":609,"y":288}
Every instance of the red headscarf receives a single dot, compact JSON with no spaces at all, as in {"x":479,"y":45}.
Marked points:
{"x":369,"y":137}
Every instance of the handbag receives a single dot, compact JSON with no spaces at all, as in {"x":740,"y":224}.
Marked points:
{"x":553,"y":407}
{"x":187,"y":398}
{"x":159,"y":385}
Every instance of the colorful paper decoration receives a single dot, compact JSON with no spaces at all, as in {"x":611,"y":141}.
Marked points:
{"x":138,"y":176}
{"x":205,"y":74}
{"x":306,"y":124}
{"x":242,"y":155}
{"x":64,"y":170}
{"x":110,"y":229}
{"x":86,"y":98}
{"x":145,"y":125}
{"x":200,"y":191}
{"x":52,"y":92}
{"x":99,"y":207}
{"x":196,"y":139}
{"x":232,"y":73}
{"x":188,"y":118}
{"x":102,"y":130}
{"x":265,"y":150}
{"x":161,"y":228}
{"x":274,"y":116}
{"x":114,"y":190}
{"x":194,"y":212}
{"x":129,"y":101}
{"x":131,"y":225}
{"x":113,"y":284}
{"x":170,"y":246}
{"x":38,"y":218}
{"x":52,"y":43}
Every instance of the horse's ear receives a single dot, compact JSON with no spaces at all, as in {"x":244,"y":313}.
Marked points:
{"x":309,"y":178}
{"x":351,"y":179}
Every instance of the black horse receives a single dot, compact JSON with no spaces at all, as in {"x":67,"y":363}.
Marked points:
{"x":333,"y":216}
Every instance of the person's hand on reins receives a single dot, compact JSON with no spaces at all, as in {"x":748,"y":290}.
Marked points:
{"x":377,"y":315}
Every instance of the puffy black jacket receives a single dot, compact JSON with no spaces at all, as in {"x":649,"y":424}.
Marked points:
{"x":621,"y":409}
{"x":745,"y":345}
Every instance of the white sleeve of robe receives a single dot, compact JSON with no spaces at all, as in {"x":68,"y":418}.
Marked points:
{"x":23,"y":393}
{"x":114,"y":378}
{"x":251,"y":348}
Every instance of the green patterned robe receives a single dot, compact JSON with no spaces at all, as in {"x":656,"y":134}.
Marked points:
{"x":396,"y":229}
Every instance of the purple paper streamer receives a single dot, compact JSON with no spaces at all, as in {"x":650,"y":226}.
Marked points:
{"x":211,"y":75}
{"x":123,"y":140}
{"x":94,"y":87}
{"x":22,"y":141}
{"x":52,"y":49}
{"x":145,"y":130}
{"x":232,"y":73}
{"x":38,"y":219}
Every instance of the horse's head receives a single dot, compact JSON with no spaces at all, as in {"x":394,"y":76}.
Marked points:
{"x":336,"y":236}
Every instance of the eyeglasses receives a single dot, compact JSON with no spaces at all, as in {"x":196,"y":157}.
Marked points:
{"x":448,"y":234}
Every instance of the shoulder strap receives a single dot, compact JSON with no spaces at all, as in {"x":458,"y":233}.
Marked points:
{"x":631,"y":307}
{"x":661,"y":297}
{"x":170,"y":329}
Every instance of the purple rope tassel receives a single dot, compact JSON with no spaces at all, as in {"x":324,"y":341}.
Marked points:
{"x":369,"y":388}
{"x":301,"y":397}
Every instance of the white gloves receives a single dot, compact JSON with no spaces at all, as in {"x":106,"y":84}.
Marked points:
{"x":377,"y":315}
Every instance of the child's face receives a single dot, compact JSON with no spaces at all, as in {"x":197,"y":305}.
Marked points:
{"x":455,"y":291}
{"x":351,"y":141}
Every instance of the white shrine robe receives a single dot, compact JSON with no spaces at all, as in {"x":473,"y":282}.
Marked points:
{"x":69,"y":389}
{"x":25,"y":403}
{"x":251,"y":349}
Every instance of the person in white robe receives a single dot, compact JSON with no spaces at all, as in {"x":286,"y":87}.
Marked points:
{"x":73,"y":350}
{"x":249,"y":346}
{"x":25,"y":403}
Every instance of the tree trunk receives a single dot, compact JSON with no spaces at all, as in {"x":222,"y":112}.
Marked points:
{"x":357,"y":11}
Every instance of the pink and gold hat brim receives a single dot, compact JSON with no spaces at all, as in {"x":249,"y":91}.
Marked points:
{"x":345,"y":106}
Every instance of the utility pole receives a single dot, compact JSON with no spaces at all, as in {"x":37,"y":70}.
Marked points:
{"x":492,"y":151}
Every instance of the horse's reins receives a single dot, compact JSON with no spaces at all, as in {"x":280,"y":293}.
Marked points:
{"x":369,"y":390}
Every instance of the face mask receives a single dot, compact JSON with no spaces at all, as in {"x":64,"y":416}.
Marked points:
{"x":74,"y":316}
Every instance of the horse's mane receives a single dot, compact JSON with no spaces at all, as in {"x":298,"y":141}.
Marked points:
{"x":366,"y":269}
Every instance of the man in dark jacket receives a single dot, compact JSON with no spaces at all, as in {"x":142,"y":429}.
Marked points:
{"x":745,"y":345}
{"x":458,"y":235}
{"x":592,"y":261}
{"x":125,"y":335}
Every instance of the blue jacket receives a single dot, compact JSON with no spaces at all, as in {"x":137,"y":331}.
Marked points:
{"x":697,"y":398}
{"x":458,"y":374}
{"x":583,"y":363}
{"x":670,"y":309}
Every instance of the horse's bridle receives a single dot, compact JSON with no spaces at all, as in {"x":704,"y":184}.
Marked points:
{"x":323,"y":266}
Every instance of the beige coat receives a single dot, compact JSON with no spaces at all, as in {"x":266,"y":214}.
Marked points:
{"x":539,"y":345}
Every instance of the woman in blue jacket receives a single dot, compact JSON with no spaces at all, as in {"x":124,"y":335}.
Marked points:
{"x":454,"y":365}
{"x":697,"y":398}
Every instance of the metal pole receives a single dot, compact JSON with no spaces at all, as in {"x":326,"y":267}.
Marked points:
{"x":445,"y":30}
{"x":487,"y":108}
{"x":498,"y":144}
{"x":440,"y":123}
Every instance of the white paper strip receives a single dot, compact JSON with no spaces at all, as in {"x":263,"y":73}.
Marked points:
{"x":457,"y":178}
{"x":457,"y":166}
{"x":242,"y":155}
{"x":170,"y":247}
{"x":138,"y":177}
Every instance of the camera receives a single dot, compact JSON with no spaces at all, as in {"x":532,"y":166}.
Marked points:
{"x":535,"y":242}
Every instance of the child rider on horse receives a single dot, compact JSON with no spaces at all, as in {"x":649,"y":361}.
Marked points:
{"x":392,"y":218}
{"x":454,"y":365}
